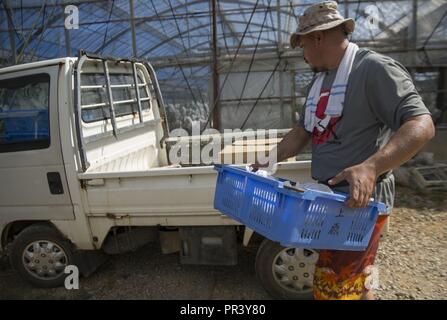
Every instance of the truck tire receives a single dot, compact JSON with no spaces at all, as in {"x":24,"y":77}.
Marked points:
{"x":286,"y":273}
{"x":39,"y":254}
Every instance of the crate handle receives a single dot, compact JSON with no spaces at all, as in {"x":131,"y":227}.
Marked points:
{"x":312,"y":195}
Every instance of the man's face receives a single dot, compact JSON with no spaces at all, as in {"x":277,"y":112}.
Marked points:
{"x":312,"y":51}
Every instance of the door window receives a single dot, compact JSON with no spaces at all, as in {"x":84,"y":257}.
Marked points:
{"x":24,"y":113}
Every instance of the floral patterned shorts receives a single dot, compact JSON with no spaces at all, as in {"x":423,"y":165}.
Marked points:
{"x":343,"y":275}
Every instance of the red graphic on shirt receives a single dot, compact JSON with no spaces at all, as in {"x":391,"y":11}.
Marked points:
{"x":319,"y":137}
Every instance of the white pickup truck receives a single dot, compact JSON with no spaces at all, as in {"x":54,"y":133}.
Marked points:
{"x":84,"y":171}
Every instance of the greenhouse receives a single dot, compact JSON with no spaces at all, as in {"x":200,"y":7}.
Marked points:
{"x":227,"y":64}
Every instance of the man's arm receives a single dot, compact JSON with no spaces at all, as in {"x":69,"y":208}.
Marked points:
{"x":403,"y":145}
{"x":292,"y":144}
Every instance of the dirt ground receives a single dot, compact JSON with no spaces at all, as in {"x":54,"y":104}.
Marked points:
{"x":412,"y":263}
{"x":412,"y":259}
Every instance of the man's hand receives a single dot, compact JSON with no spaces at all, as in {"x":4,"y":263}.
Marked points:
{"x":362,"y":181}
{"x":292,"y":144}
{"x":403,"y":145}
{"x":256,"y":166}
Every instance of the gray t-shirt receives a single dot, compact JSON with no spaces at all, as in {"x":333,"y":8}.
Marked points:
{"x":380,"y":96}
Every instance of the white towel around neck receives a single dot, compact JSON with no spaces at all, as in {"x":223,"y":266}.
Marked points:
{"x":337,"y":94}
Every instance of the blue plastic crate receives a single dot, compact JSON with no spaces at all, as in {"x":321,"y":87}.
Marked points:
{"x":25,"y":125}
{"x":309,"y":219}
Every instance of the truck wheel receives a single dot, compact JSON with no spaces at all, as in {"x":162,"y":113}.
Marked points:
{"x":286,"y":273}
{"x":40,"y":254}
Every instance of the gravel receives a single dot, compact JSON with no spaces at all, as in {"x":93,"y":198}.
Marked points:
{"x":411,"y":262}
{"x":412,"y":257}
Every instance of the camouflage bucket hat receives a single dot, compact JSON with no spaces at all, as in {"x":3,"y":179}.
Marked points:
{"x":320,"y":16}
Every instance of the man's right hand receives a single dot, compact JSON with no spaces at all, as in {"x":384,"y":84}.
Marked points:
{"x":256,"y":166}
{"x":292,"y":144}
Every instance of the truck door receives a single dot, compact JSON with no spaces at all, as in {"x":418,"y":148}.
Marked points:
{"x":33,"y":181}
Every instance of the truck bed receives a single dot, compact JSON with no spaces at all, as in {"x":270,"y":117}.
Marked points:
{"x":166,"y":196}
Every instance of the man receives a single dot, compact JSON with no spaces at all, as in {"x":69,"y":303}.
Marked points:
{"x":364,"y":118}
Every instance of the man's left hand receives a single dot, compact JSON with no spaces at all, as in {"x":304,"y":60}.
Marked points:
{"x":362,"y":181}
